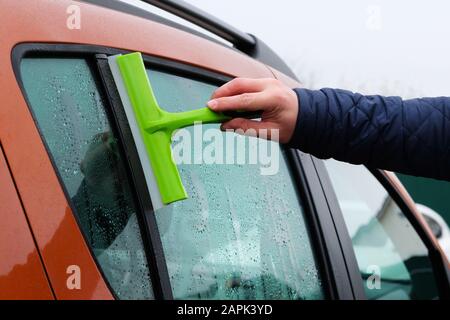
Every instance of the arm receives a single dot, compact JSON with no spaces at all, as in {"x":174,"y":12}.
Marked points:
{"x":407,"y":136}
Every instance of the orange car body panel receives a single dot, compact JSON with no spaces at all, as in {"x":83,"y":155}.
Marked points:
{"x":50,"y":217}
{"x":45,"y":21}
{"x":22,"y":275}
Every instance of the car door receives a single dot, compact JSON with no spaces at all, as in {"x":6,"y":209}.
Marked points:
{"x":22,"y":275}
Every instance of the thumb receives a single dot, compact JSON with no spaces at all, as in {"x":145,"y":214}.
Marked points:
{"x":254,"y":128}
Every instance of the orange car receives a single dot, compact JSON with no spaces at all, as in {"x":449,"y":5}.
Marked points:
{"x":77,"y":219}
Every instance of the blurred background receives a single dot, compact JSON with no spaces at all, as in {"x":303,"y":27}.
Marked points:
{"x":398,"y":47}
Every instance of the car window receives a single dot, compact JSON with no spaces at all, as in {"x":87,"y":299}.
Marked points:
{"x":240,"y":234}
{"x":71,"y":116}
{"x":392,"y":259}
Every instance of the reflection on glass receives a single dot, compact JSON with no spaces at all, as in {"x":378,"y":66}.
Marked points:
{"x":386,"y":245}
{"x":239,"y":235}
{"x":72,"y":119}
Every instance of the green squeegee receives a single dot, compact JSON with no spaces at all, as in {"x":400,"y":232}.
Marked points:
{"x":153,"y":127}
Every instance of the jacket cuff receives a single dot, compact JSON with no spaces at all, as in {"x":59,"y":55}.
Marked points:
{"x":305,"y":122}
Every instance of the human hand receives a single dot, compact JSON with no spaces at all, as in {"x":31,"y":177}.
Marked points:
{"x":278,"y":103}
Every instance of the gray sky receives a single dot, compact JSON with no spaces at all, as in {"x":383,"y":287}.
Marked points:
{"x":399,"y":47}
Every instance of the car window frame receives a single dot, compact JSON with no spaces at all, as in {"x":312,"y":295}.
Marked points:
{"x":439,"y":268}
{"x":349,"y":284}
{"x":335,"y":279}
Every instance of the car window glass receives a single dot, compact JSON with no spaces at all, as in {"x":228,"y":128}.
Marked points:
{"x":392,"y":259}
{"x":239,"y":235}
{"x":73,"y":122}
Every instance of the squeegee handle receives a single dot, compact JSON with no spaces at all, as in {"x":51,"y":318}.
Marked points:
{"x":244,"y":114}
{"x":171,"y":122}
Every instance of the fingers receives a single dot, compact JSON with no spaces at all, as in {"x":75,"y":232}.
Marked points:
{"x":263,"y":129}
{"x":278,"y":103}
{"x":241,"y":85}
{"x":243,"y":102}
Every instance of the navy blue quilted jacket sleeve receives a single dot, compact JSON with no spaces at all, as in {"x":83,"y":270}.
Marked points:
{"x":406,"y":136}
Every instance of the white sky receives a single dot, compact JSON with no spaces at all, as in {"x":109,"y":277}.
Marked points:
{"x":398,"y":47}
